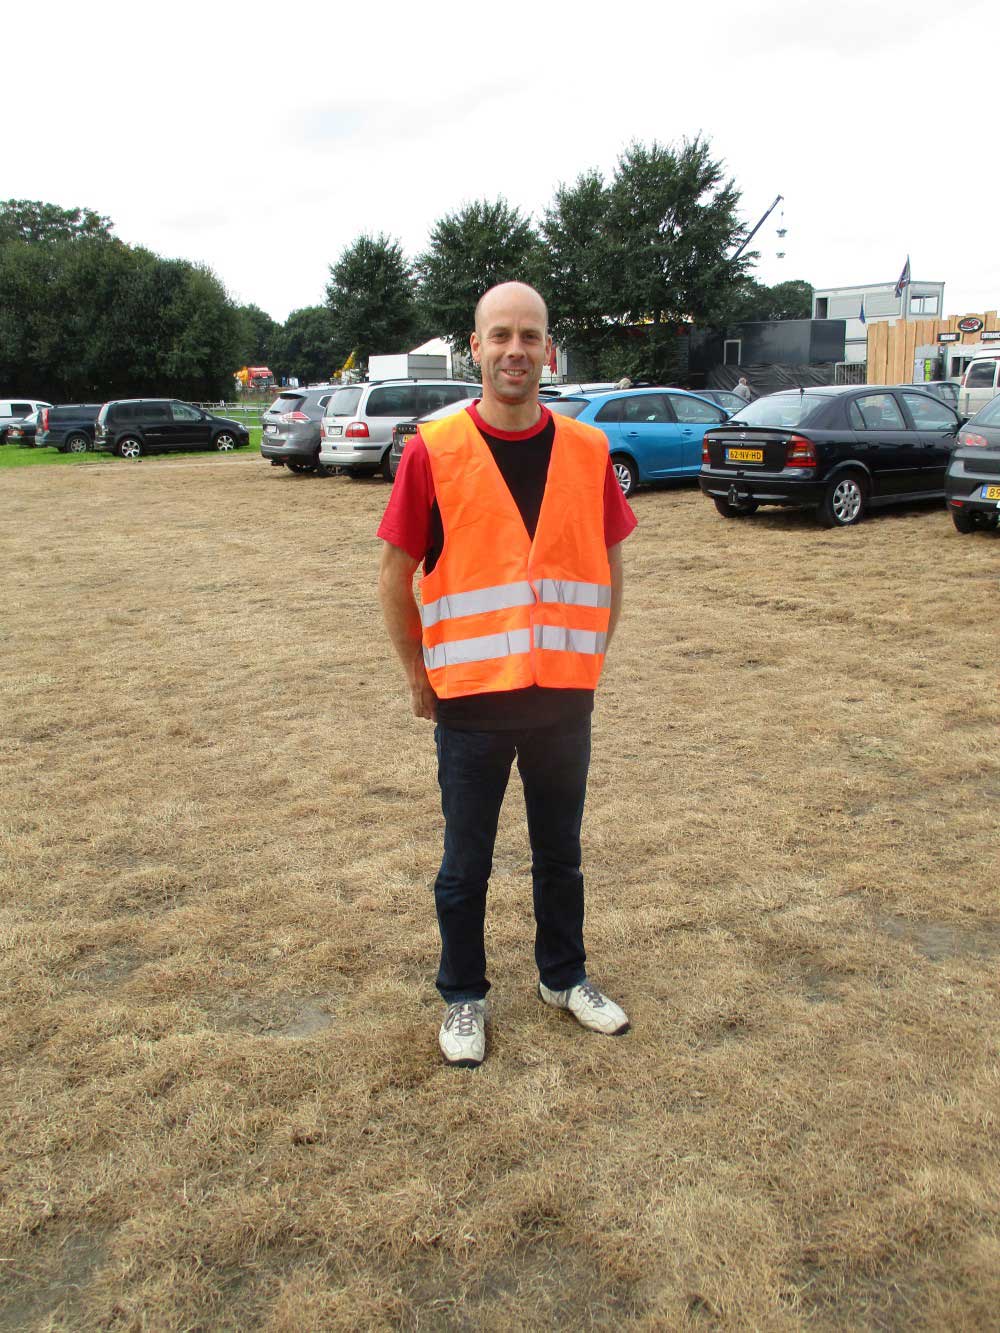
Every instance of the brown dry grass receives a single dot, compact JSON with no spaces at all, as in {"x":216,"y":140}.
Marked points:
{"x":222,"y":1098}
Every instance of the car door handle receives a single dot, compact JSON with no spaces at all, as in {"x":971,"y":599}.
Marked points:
{"x":633,"y":434}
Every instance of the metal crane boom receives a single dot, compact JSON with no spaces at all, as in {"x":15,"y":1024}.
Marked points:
{"x":757,"y":228}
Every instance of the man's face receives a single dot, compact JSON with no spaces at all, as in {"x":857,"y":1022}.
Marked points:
{"x":511,"y":345}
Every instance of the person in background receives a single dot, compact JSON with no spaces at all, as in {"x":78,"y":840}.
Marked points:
{"x":518,"y":520}
{"x":743,"y":389}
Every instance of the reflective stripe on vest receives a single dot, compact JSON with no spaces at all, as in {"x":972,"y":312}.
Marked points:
{"x":551,"y":638}
{"x":566,"y":592}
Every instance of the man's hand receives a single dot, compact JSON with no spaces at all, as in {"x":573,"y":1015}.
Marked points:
{"x":402,"y":620}
{"x":423,"y":696}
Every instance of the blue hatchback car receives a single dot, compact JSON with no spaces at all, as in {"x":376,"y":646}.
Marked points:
{"x":653,"y":434}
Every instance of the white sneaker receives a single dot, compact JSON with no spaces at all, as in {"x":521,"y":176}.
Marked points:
{"x":589,"y":1007}
{"x":463,"y":1034}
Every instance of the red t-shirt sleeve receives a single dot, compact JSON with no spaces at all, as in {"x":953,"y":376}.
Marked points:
{"x":406,"y":522}
{"x":619,"y":520}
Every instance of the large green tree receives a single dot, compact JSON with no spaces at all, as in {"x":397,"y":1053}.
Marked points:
{"x":309,"y":345}
{"x":574,"y":272}
{"x":371,"y":297}
{"x":257,"y":332}
{"x":469,"y":252}
{"x":751,"y":300}
{"x":84,"y":316}
{"x":628,"y":262}
{"x":32,"y":220}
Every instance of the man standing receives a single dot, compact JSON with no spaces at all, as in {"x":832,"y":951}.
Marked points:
{"x":743,"y":389}
{"x":518,"y":520}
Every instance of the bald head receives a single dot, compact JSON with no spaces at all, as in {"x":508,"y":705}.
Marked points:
{"x":507,"y":295}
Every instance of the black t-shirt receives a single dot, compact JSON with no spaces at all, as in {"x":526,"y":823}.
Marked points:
{"x":524,"y":466}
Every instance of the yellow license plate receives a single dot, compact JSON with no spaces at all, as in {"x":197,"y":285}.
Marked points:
{"x":991,"y":492}
{"x":744,"y":455}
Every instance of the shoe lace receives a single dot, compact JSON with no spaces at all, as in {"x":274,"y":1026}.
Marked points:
{"x":592,"y":994}
{"x":461,"y":1019}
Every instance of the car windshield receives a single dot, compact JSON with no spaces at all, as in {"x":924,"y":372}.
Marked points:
{"x":343,"y":403}
{"x":778,"y":409}
{"x":567,"y":407}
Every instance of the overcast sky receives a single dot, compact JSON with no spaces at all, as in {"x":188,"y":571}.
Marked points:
{"x":262,"y":140}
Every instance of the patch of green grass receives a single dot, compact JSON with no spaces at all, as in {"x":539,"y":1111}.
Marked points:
{"x":14,"y":455}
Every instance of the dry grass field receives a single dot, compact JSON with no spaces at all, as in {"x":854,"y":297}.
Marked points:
{"x":222,"y":1101}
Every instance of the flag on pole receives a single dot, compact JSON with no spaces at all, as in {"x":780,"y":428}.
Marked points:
{"x":863,"y":320}
{"x":904,"y":278}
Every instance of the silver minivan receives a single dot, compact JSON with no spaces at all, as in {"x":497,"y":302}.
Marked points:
{"x":980,"y":383}
{"x":358,"y":420}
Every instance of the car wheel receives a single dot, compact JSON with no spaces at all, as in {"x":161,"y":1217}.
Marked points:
{"x":130,"y":447}
{"x":385,"y":470}
{"x":843,"y":505}
{"x":741,"y":510}
{"x":300,"y":467}
{"x":625,"y":472}
{"x":963,"y":521}
{"x":325,"y":469}
{"x":77,"y":444}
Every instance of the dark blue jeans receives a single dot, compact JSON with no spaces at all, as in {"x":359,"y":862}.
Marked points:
{"x":473,"y":770}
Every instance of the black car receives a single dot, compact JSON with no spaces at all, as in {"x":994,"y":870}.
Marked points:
{"x":837,"y":449}
{"x":68,"y":427}
{"x":23,"y":432}
{"x":405,"y":430}
{"x":972,"y":482}
{"x":131,"y":427}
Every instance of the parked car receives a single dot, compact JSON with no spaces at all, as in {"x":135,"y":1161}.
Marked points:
{"x":405,"y":430}
{"x":68,"y":427}
{"x":972,"y":482}
{"x":359,"y":419}
{"x":131,"y":427}
{"x":291,"y":428}
{"x":652,"y":434}
{"x":838,"y":449}
{"x":980,"y":383}
{"x":16,"y":409}
{"x":946,"y":390}
{"x":732,"y":402}
{"x":23,"y":432}
{"x":564,"y":390}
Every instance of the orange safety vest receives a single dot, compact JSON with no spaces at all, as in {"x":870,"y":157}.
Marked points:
{"x":500,"y":611}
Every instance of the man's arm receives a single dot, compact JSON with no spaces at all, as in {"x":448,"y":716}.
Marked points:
{"x":617,"y":587}
{"x":402,"y":620}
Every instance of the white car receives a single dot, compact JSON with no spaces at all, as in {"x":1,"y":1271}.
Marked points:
{"x":16,"y":409}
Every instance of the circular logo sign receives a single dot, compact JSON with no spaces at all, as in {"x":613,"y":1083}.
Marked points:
{"x":970,"y":324}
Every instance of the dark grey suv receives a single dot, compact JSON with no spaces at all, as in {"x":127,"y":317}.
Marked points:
{"x":291,"y":429}
{"x":131,"y":427}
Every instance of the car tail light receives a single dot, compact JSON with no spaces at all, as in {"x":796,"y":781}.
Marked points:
{"x":979,"y":440}
{"x":293,"y":418}
{"x":800,"y":452}
{"x":45,"y":418}
{"x":357,"y":430}
{"x":704,"y":449}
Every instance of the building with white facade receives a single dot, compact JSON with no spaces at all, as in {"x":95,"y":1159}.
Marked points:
{"x":878,"y":301}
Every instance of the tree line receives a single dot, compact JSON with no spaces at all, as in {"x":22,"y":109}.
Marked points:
{"x":622,"y":262}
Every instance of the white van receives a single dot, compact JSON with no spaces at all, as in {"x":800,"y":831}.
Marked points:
{"x":980,"y":383}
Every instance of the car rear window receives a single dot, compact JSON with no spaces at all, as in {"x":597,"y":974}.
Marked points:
{"x":980,"y":375}
{"x":780,"y":410}
{"x":287,"y":402}
{"x":344,"y":403}
{"x":566,"y":407}
{"x":393,"y":401}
